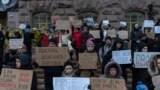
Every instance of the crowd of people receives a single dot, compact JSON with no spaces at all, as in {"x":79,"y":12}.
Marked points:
{"x":79,"y":40}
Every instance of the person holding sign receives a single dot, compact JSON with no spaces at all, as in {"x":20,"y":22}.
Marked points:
{"x":154,"y":67}
{"x":68,"y":70}
{"x":23,"y":62}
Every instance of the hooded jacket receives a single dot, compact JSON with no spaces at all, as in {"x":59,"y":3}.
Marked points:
{"x":108,"y":66}
{"x":152,"y":67}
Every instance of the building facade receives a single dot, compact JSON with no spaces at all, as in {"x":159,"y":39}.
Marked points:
{"x":38,"y":12}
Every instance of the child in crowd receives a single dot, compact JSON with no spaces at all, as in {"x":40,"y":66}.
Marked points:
{"x":68,"y":70}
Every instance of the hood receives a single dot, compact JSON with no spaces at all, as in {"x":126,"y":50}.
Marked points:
{"x":25,"y":60}
{"x":152,"y":67}
{"x":106,"y":70}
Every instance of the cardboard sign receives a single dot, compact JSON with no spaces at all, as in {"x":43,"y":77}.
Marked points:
{"x":107,"y":84}
{"x":95,"y":33}
{"x":15,"y":43}
{"x":72,"y":18}
{"x":22,"y":26}
{"x":122,"y":56}
{"x":111,"y":33}
{"x":141,"y":59}
{"x":88,"y":60}
{"x":66,"y":83}
{"x":51,"y":56}
{"x":89,"y":21}
{"x":15,"y":79}
{"x":157,"y":29}
{"x":77,"y":23}
{"x":148,"y":23}
{"x":54,"y":19}
{"x":156,"y":82}
{"x":123,"y":34}
{"x":63,"y":25}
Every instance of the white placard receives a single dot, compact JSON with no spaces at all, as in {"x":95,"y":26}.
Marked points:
{"x":70,"y":83}
{"x":148,"y":23}
{"x":105,"y":22}
{"x":123,"y":24}
{"x":22,"y":26}
{"x":89,"y":21}
{"x":95,"y":33}
{"x":157,"y":29}
{"x":141,"y":59}
{"x":123,"y":34}
{"x":122,"y":56}
{"x":15,"y":43}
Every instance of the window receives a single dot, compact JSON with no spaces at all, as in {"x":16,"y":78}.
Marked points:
{"x":88,"y":15}
{"x":41,"y":19}
{"x":133,"y":18}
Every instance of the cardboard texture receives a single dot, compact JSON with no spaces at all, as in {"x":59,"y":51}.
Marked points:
{"x":63,"y":25}
{"x":88,"y":60}
{"x":51,"y":56}
{"x":111,"y":33}
{"x":123,"y":34}
{"x":15,"y":79}
{"x":107,"y":84}
{"x":95,"y":33}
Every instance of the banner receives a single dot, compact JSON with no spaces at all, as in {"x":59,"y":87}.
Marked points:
{"x":111,"y":33}
{"x":51,"y":56}
{"x":141,"y":59}
{"x":107,"y":84}
{"x":148,"y":23}
{"x":15,"y":43}
{"x":122,"y":56}
{"x":63,"y":25}
{"x":123,"y":34}
{"x":88,"y":60}
{"x":95,"y":33}
{"x":70,"y":83}
{"x":157,"y":29}
{"x":15,"y":79}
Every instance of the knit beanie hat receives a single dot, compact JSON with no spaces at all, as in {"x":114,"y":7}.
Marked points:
{"x":90,"y":42}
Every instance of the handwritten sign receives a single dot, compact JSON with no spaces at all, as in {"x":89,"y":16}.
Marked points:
{"x":107,"y":84}
{"x":157,"y":29}
{"x":15,"y":43}
{"x":141,"y":59}
{"x":95,"y":33}
{"x":148,"y":23}
{"x":122,"y":56}
{"x":66,"y":83}
{"x":63,"y":25}
{"x":51,"y":56}
{"x":77,"y":23}
{"x":14,"y":79}
{"x":22,"y":26}
{"x":89,"y":21}
{"x":111,"y":33}
{"x":123,"y":34}
{"x":88,"y":60}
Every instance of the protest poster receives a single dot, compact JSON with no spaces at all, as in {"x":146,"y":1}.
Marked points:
{"x":15,"y":79}
{"x":88,"y":60}
{"x":148,"y":24}
{"x":77,"y":23}
{"x":72,"y":18}
{"x":105,"y":22}
{"x":141,"y":59}
{"x":157,"y":29}
{"x":122,"y":56}
{"x":51,"y":56}
{"x":63,"y":25}
{"x":123,"y":34}
{"x":15,"y":43}
{"x":107,"y":84}
{"x":70,"y":83}
{"x":111,"y":33}
{"x":123,"y":24}
{"x":95,"y":33}
{"x":89,"y":21}
{"x":156,"y":82}
{"x":22,"y":26}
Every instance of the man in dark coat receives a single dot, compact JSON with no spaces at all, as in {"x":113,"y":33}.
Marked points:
{"x":2,"y":38}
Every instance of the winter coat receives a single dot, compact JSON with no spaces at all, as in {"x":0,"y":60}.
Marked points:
{"x":135,"y":35}
{"x":107,"y":67}
{"x":44,"y":40}
{"x":78,"y":38}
